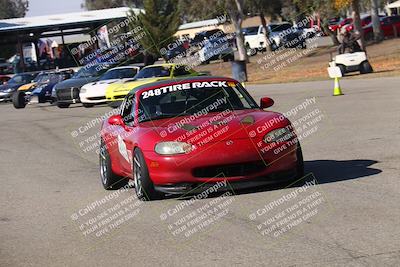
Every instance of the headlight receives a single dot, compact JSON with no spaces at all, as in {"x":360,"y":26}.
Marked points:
{"x":83,"y":90}
{"x":278,"y":135}
{"x":173,"y":148}
{"x":53,"y":92}
{"x":8,"y":90}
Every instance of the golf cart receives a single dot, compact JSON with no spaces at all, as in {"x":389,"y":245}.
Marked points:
{"x":352,"y":62}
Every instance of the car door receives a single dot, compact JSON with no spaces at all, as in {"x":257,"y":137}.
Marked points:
{"x":387,"y":27}
{"x":125,"y":138}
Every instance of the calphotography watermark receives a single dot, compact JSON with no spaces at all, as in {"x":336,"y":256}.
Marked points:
{"x":280,"y":136}
{"x":103,"y":216}
{"x":200,"y":212}
{"x":289,"y":211}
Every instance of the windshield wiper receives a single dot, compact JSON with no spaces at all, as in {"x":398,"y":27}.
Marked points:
{"x":162,"y":116}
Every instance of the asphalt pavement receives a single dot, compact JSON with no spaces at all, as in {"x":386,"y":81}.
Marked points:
{"x":54,"y":211}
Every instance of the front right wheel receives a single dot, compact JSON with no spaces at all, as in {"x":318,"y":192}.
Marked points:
{"x":144,"y":187}
{"x":300,"y":162}
{"x":63,"y":105}
{"x":109,"y":179}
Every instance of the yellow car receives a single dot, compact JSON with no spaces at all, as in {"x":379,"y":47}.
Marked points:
{"x":29,"y":86}
{"x":116,"y":92}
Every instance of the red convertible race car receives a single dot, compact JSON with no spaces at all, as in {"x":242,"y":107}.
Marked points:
{"x":186,"y":135}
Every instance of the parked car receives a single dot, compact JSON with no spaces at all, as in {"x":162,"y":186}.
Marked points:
{"x":41,"y":92}
{"x":200,"y":39}
{"x":333,"y":23}
{"x":220,"y":47}
{"x":7,"y":90}
{"x":280,"y":35}
{"x":337,"y":26}
{"x":117,"y":91}
{"x":5,"y":66}
{"x":4,"y":79}
{"x":95,"y":93}
{"x":67,"y":92}
{"x":390,"y":27}
{"x":365,"y":20}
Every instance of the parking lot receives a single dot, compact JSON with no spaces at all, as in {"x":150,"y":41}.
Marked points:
{"x":48,"y":177}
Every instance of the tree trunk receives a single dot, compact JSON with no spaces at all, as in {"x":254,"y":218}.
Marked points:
{"x":331,"y":34}
{"x":266,"y":32}
{"x":355,"y":4}
{"x":237,"y":19}
{"x":376,"y":24}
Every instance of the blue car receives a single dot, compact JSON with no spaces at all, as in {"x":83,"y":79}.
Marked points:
{"x":7,"y":90}
{"x":42,"y":91}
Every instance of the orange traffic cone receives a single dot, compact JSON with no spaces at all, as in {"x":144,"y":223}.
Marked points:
{"x":337,"y":91}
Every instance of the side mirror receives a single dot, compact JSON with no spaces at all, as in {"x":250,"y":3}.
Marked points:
{"x":116,"y":120}
{"x":266,"y":102}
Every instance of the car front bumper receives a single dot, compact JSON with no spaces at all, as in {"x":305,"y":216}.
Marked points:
{"x":237,"y":164}
{"x":5,"y":96}
{"x":92,"y":99}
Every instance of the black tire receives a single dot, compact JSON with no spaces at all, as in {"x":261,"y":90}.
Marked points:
{"x":109,"y":179}
{"x":250,"y":51}
{"x":274,"y":46}
{"x":144,"y":187}
{"x":63,"y":105}
{"x":87,"y":105}
{"x":369,"y":36}
{"x":342,"y":69}
{"x":115,"y":104}
{"x":228,"y":57}
{"x":18,"y":99}
{"x":300,"y":163}
{"x":365,"y":67}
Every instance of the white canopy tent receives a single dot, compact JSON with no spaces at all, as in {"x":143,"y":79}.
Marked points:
{"x":393,"y":8}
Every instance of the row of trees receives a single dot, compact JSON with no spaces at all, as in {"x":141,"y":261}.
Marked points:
{"x":13,"y":8}
{"x":163,"y":17}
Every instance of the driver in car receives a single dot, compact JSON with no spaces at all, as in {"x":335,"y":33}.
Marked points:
{"x":349,"y":41}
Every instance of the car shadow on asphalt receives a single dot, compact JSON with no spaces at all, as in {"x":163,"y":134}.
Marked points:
{"x":323,"y":171}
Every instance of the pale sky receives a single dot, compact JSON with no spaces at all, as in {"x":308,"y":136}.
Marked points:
{"x":49,"y":7}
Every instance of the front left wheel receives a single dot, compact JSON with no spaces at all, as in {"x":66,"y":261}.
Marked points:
{"x":88,"y":105}
{"x":18,"y":99}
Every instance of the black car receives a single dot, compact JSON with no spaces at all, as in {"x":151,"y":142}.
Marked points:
{"x":41,"y":92}
{"x":5,"y":66}
{"x":286,"y":35}
{"x":67,"y":92}
{"x":7,"y":90}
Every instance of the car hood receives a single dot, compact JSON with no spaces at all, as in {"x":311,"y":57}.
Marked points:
{"x":26,"y":87}
{"x":222,"y":126}
{"x":75,"y":82}
{"x":9,"y":86}
{"x":129,"y":85}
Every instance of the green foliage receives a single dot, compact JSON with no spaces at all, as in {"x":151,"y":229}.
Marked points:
{"x":103,"y":4}
{"x":13,"y":8}
{"x":160,"y":22}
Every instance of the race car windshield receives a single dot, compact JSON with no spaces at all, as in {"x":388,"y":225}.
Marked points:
{"x":280,"y":27}
{"x":250,"y":31}
{"x":161,"y":103}
{"x":42,"y":78}
{"x":159,"y":71}
{"x":21,"y":78}
{"x":119,"y":74}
